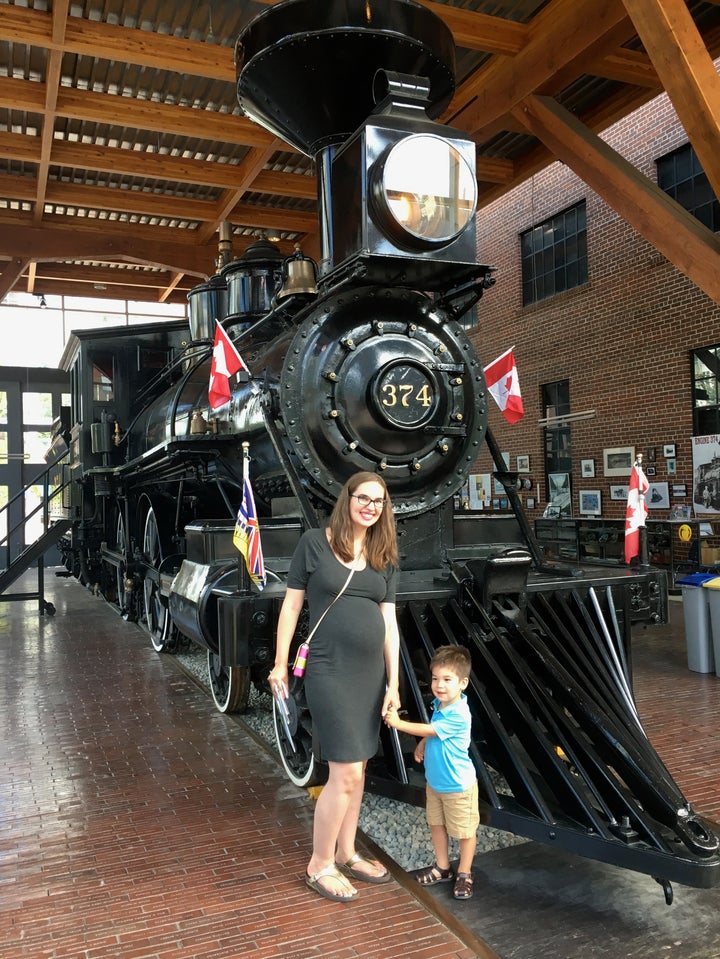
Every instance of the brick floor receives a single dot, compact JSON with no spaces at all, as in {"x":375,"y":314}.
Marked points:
{"x":680,"y":711}
{"x":137,"y":822}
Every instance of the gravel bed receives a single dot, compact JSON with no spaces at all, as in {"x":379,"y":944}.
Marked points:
{"x":398,"y":828}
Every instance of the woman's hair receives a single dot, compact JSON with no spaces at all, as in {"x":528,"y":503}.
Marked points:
{"x":381,"y":546}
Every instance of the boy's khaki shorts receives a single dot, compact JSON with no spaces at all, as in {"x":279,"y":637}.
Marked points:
{"x":458,"y":812}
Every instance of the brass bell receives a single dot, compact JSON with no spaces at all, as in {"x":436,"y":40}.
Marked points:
{"x":299,"y":275}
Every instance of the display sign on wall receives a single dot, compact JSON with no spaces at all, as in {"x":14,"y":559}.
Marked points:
{"x":706,"y":474}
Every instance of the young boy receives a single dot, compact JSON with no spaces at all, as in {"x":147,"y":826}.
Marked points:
{"x":452,"y":789}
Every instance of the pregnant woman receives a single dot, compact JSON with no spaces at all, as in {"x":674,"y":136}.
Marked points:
{"x":348,"y":571}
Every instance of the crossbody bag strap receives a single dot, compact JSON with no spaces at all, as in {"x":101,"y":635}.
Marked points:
{"x":345,"y":585}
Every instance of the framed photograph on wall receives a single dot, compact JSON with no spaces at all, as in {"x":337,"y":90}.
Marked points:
{"x":590,"y":502}
{"x":587,"y":468}
{"x":672,"y":467}
{"x":658,"y":496}
{"x":559,"y":490}
{"x":479,"y":490}
{"x":650,"y":454}
{"x":523,"y":464}
{"x":619,"y":492}
{"x":669,"y":450}
{"x":618,"y":461}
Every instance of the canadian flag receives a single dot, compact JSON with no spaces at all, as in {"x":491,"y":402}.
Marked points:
{"x":501,"y":377}
{"x":226,"y":362}
{"x":636,"y":511}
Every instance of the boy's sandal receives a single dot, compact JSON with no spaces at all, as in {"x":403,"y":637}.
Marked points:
{"x":432,"y":875}
{"x":348,"y":869}
{"x":463,"y":888}
{"x":313,"y":882}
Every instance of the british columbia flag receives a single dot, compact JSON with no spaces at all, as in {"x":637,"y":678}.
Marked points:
{"x":246,"y":536}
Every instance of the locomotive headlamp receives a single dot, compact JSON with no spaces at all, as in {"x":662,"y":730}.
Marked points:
{"x":402,"y":201}
{"x":423,"y":191}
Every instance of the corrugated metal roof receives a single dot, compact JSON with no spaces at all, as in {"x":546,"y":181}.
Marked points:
{"x":124,"y":114}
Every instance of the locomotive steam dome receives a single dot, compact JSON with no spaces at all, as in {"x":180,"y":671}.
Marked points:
{"x":207,"y":303}
{"x":252,"y":280}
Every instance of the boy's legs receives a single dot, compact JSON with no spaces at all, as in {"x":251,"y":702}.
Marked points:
{"x":441,"y":845}
{"x":467,"y":853}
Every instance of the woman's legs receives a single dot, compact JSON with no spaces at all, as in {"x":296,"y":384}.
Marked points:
{"x":337,"y":811}
{"x":348,"y":831}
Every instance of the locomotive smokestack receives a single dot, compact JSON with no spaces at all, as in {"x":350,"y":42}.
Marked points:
{"x":346,"y":54}
{"x":397,"y":192}
{"x":337,"y":48}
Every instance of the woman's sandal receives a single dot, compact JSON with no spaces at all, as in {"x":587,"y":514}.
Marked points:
{"x":463,"y":888}
{"x":313,"y":882}
{"x":432,"y":875}
{"x":348,"y":869}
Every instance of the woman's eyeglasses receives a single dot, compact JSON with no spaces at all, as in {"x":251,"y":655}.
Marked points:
{"x":365,"y":501}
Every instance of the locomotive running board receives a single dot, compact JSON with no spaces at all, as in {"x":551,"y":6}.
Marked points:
{"x":560,"y":751}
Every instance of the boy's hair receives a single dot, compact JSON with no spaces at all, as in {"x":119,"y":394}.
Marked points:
{"x":456,"y":658}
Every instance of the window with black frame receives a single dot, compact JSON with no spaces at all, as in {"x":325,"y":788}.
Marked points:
{"x":554,"y":255}
{"x":555,"y":398}
{"x":706,"y":390}
{"x":682,"y":177}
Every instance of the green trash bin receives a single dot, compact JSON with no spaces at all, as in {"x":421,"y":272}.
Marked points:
{"x":696,"y":610}
{"x":713,"y":595}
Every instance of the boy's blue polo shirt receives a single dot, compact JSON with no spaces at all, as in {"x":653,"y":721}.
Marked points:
{"x":448,"y":767}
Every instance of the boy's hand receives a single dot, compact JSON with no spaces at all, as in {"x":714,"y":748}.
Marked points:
{"x":391,"y":717}
{"x":419,"y":754}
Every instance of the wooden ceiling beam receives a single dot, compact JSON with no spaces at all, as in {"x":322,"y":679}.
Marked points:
{"x":66,"y":287}
{"x":47,"y":243}
{"x":145,"y":203}
{"x":134,"y":113}
{"x":12,"y":272}
{"x":131,"y":233}
{"x":107,"y":276}
{"x":678,"y":235}
{"x":478,"y":31}
{"x":138,"y":114}
{"x":125,"y":44}
{"x":494,"y":169}
{"x":576,"y":26}
{"x":687,"y":72}
{"x":160,"y":166}
{"x":610,"y":110}
{"x":252,"y":164}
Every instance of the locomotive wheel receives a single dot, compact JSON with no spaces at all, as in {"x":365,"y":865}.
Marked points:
{"x":157,"y":616}
{"x":300,"y":765}
{"x":230,"y":685}
{"x":120,"y":546}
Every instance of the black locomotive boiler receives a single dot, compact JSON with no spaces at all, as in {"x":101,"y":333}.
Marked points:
{"x":369,"y":366}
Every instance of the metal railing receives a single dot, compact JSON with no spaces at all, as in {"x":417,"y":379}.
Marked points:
{"x":14,"y":555}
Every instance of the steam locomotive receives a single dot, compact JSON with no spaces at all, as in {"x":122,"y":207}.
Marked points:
{"x":364,"y":361}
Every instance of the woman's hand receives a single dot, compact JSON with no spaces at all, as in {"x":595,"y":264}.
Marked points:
{"x":391,"y":700}
{"x":278,"y":680}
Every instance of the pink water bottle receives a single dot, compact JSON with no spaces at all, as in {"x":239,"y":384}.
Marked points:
{"x":301,"y":660}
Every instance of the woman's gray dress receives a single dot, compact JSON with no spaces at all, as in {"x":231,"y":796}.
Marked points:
{"x":345,"y":677}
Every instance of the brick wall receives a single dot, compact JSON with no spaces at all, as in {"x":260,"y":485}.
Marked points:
{"x":622,"y":339}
